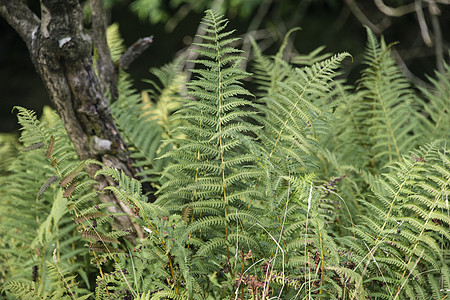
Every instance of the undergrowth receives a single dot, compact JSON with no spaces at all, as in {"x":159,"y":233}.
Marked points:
{"x":306,"y":188}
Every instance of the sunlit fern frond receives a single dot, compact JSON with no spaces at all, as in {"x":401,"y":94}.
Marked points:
{"x":165,"y":94}
{"x":115,"y":42}
{"x":211,"y":158}
{"x":213,"y":172}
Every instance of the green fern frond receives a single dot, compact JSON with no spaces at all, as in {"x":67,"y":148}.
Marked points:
{"x":410,"y":196}
{"x":24,"y":290}
{"x":130,"y":185}
{"x":8,"y":151}
{"x":437,"y":106}
{"x":211,"y":162}
{"x":389,"y":103}
{"x":290,"y":116}
{"x":312,"y":57}
{"x":33,"y":130}
{"x":36,"y":225}
{"x":145,"y":124}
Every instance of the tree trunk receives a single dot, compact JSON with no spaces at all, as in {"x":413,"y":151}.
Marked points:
{"x":61,"y":52}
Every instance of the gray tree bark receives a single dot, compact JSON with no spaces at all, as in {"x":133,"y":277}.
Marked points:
{"x":61,"y":52}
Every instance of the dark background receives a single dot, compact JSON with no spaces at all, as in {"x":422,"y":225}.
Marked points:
{"x":329,"y":23}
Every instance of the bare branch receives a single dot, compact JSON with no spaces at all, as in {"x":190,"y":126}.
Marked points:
{"x":422,"y":23}
{"x":134,"y":51}
{"x":177,"y":17}
{"x":21,"y":18}
{"x":254,"y":25}
{"x":361,"y":16}
{"x":438,"y":1}
{"x":395,"y":12}
{"x":438,"y":44}
{"x":404,"y":69}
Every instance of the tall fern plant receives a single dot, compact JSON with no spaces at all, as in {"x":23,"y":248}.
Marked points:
{"x":213,"y":170}
{"x":232,"y":172}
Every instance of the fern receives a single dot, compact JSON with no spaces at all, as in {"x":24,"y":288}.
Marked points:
{"x":411,"y":197}
{"x":144,"y":136}
{"x":310,"y":189}
{"x":389,"y":104}
{"x":35,"y":210}
{"x":146,"y":125}
{"x":291,"y":119}
{"x":210,"y":158}
{"x":115,"y":42}
{"x":212,"y":166}
{"x":270,"y":71}
{"x":436,"y":106}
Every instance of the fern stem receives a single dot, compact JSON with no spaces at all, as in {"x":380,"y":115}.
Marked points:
{"x":219,"y":91}
{"x":172,"y":272}
{"x":409,"y":274}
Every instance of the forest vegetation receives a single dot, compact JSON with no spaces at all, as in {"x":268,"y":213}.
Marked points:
{"x":280,"y":180}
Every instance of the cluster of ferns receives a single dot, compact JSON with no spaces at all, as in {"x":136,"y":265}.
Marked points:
{"x":306,"y":187}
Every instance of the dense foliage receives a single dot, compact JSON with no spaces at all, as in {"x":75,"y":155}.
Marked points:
{"x":308,"y":188}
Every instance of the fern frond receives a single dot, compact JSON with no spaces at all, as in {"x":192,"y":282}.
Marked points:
{"x":436,"y":106}
{"x":115,"y":42}
{"x":270,"y":71}
{"x":290,"y":116}
{"x":130,"y":185}
{"x":145,"y":124}
{"x":36,"y":225}
{"x":33,"y":131}
{"x":24,"y":290}
{"x":311,"y":58}
{"x":410,"y":195}
{"x":389,"y":102}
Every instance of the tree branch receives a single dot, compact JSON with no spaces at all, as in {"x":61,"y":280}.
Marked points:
{"x":354,"y":8}
{"x":423,"y":24}
{"x":438,"y":44}
{"x":61,"y":52}
{"x":134,"y":51}
{"x":397,"y":11}
{"x":105,"y":65}
{"x":21,"y":18}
